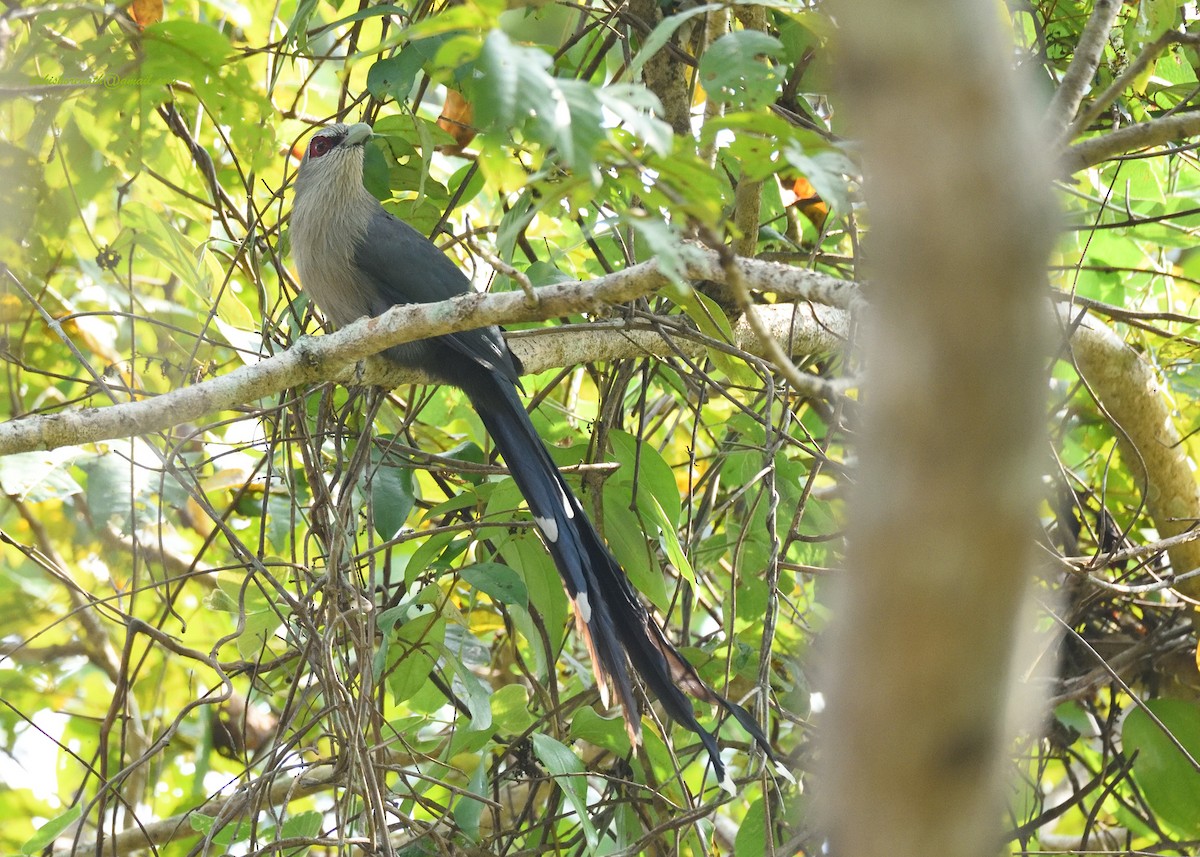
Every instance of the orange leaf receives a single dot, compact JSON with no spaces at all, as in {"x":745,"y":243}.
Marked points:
{"x":455,"y":120}
{"x":146,"y":12}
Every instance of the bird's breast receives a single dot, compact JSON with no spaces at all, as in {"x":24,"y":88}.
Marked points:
{"x":324,"y":236}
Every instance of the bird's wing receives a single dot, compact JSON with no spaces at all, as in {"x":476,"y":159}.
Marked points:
{"x":407,"y":268}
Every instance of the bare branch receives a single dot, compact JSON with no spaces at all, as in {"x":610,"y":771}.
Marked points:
{"x":335,"y":356}
{"x":178,"y":827}
{"x":1128,"y":390}
{"x":1078,"y":79}
{"x":1156,"y":132}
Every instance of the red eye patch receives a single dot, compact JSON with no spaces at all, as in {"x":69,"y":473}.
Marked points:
{"x":319,"y":146}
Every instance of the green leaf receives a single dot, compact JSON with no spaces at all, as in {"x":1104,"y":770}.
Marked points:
{"x":160,"y":239}
{"x":671,"y":544}
{"x":465,"y":500}
{"x":1168,"y":779}
{"x":662,"y":33}
{"x":515,"y":90}
{"x":258,"y":629}
{"x":50,"y":831}
{"x":297,"y":31}
{"x":414,"y":649}
{"x":301,"y":825}
{"x":523,"y":551}
{"x":465,"y":184}
{"x":503,"y":67}
{"x":567,"y":770}
{"x":512,"y":225}
{"x":376,"y":175}
{"x":712,"y":321}
{"x":472,"y":690}
{"x":393,"y":494}
{"x":227,"y":834}
{"x":200,"y":822}
{"x":827,"y":170}
{"x":551,"y":25}
{"x":1156,"y":17}
{"x":644,"y":463}
{"x":467,"y":740}
{"x":658,"y":504}
{"x":546,"y":274}
{"x":359,"y":15}
{"x":395,"y":76}
{"x":468,"y":452}
{"x":37,"y":476}
{"x":627,"y":540}
{"x":751,"y":839}
{"x":437,"y":551}
{"x":510,"y":709}
{"x":733,"y":71}
{"x":463,"y":21}
{"x":605,"y":732}
{"x":469,"y":808}
{"x":499,"y":582}
{"x":20,"y":193}
{"x":183,"y":50}
{"x":568,"y":117}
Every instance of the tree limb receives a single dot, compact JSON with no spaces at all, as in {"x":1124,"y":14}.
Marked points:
{"x":178,"y":827}
{"x":1156,"y":132}
{"x":1086,"y":59}
{"x":334,"y":357}
{"x":919,"y":667}
{"x":1128,"y":391}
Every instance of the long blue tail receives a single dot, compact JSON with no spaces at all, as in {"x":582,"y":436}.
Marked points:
{"x":609,"y":613}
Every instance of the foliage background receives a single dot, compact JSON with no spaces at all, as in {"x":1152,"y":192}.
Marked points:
{"x":343,"y":595}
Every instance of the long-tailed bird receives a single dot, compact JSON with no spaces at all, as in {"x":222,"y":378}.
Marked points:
{"x":355,"y":259}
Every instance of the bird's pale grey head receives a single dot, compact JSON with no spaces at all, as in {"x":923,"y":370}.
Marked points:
{"x":333,"y":150}
{"x":330,"y":221}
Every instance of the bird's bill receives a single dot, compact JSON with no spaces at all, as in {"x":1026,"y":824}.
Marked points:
{"x":358,"y":133}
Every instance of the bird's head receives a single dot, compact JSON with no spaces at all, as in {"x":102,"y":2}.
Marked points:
{"x":334,"y":155}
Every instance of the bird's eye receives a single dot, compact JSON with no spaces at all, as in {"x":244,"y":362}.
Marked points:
{"x":319,"y":146}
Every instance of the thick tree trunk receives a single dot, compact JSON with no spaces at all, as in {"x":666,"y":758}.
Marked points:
{"x":941,"y":547}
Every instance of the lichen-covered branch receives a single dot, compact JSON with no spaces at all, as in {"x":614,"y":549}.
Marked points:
{"x":335,"y":357}
{"x":1082,"y":70}
{"x":1156,"y":132}
{"x":1128,"y":390}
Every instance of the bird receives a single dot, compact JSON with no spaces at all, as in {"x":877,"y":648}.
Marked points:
{"x":356,"y":259}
